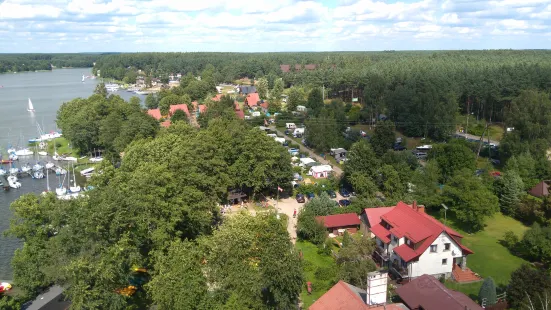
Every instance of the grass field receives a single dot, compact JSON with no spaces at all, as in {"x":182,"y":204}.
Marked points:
{"x":477,"y":127}
{"x":312,"y":261}
{"x":490,"y":258}
{"x":63,"y":149}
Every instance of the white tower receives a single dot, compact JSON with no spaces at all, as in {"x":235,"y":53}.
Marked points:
{"x":376,"y":288}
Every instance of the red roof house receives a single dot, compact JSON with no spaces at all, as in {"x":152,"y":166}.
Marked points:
{"x":298,"y":67}
{"x":240,"y":114}
{"x":310,"y":67}
{"x":333,"y":223}
{"x":285,"y":68}
{"x":264,"y":105}
{"x":427,"y":293}
{"x":155,"y":113}
{"x":252,"y":100}
{"x":175,"y":107}
{"x":412,"y":241}
{"x":344,"y":296}
{"x":202,"y":108}
{"x":165,"y":124}
{"x":540,"y":190}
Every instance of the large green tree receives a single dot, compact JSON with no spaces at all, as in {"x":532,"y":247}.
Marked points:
{"x":383,"y":137}
{"x":452,"y":157}
{"x":362,"y":159}
{"x":487,"y":292}
{"x":315,"y":101}
{"x":355,"y":261}
{"x":470,"y":201}
{"x":527,"y":283}
{"x":262,"y":88}
{"x":510,"y":190}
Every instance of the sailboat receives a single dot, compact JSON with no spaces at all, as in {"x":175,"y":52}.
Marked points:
{"x":75,"y":188}
{"x":30,"y":108}
{"x":83,"y":78}
{"x":61,"y":190}
{"x":12,"y":181}
{"x":47,"y":184}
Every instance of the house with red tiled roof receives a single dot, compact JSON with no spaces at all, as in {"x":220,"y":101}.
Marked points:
{"x":298,"y":67}
{"x":155,"y":113}
{"x":310,"y":67}
{"x":344,"y":296}
{"x":252,"y":100}
{"x":285,"y":68}
{"x":334,"y":223}
{"x":264,"y":105}
{"x":175,"y":107}
{"x":412,"y":243}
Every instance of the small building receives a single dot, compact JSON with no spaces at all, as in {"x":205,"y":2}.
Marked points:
{"x":338,"y":223}
{"x":255,"y":114}
{"x":246,"y":89}
{"x":321,"y":171}
{"x":540,"y":190}
{"x":301,"y":108}
{"x":305,"y":161}
{"x":252,"y":100}
{"x":347,"y":296}
{"x":427,"y":293}
{"x":285,"y":68}
{"x":339,"y":154}
{"x":236,"y":196}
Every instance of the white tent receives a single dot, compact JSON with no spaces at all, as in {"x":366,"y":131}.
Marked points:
{"x":307,"y":160}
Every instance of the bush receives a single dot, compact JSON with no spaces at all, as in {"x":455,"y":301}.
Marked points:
{"x":510,"y":240}
{"x":487,"y":293}
{"x":325,"y":248}
{"x":57,"y":144}
{"x":307,"y":265}
{"x":325,"y":273}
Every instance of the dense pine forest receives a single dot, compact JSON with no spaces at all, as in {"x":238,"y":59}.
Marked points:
{"x":418,"y":90}
{"x":33,"y":62}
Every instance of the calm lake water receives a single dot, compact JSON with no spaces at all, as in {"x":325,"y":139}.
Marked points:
{"x":47,"y":91}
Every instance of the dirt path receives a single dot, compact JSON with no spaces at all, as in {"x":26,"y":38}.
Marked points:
{"x":288,"y":206}
{"x":469,"y":136}
{"x":337,"y":171}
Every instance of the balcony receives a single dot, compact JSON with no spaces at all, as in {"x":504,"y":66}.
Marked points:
{"x":380,"y":256}
{"x":398,"y":270}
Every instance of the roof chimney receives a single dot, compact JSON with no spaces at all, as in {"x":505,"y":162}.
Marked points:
{"x":414,"y":205}
{"x":421,"y":209}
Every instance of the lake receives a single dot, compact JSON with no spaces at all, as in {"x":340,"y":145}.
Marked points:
{"x":47,"y":90}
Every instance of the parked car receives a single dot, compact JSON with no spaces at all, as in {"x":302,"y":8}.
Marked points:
{"x":287,"y":132}
{"x":344,"y":192}
{"x":344,"y":202}
{"x":399,"y":147}
{"x":300,"y":198}
{"x":331,"y":194}
{"x":310,"y":196}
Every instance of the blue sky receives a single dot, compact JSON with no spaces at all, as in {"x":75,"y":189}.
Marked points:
{"x":271,"y":25}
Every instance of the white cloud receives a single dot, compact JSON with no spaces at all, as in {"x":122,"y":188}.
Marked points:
{"x":266,"y":25}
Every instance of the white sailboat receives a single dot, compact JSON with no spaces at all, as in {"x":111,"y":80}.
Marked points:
{"x":75,"y":188}
{"x":47,"y":184}
{"x":30,"y":108}
{"x":12,"y":181}
{"x":83,"y":78}
{"x":61,"y":190}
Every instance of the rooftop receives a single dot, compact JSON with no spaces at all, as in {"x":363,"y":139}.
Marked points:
{"x":344,"y":296}
{"x":411,"y":222}
{"x":339,"y":220}
{"x":540,"y":190}
{"x":426,"y":292}
{"x":252,"y":99}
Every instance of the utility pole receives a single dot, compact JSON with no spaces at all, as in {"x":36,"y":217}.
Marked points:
{"x":468,"y":115}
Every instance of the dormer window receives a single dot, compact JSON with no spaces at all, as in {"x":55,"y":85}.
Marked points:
{"x":395,"y":239}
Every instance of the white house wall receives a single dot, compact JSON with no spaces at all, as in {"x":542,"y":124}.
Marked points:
{"x":431,"y":263}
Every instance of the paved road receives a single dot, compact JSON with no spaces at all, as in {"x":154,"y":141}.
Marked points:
{"x":469,"y":136}
{"x":336,"y":170}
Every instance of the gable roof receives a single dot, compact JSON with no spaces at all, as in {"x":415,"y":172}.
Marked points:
{"x":413,"y":223}
{"x":245,"y":89}
{"x":285,"y":68}
{"x":374,"y":215}
{"x":155,"y":113}
{"x":310,"y":67}
{"x":252,"y":99}
{"x":540,"y":190}
{"x":427,"y":292}
{"x":166,"y":123}
{"x":202,"y":108}
{"x":344,"y":296}
{"x":240,"y":114}
{"x":339,"y":220}
{"x":264,"y":105}
{"x":175,"y":107}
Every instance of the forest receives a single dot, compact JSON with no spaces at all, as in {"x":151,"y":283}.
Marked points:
{"x":419,"y":91}
{"x":33,"y":62}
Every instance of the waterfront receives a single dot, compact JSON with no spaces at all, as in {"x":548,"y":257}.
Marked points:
{"x":47,"y":90}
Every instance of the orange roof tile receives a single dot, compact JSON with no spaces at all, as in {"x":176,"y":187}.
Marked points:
{"x":175,"y":107}
{"x":155,"y":113}
{"x":252,"y":99}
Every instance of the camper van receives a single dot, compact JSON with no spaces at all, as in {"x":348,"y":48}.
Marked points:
{"x":298,"y":132}
{"x":290,"y":126}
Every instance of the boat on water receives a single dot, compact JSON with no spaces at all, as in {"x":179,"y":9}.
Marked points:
{"x":24,"y":152}
{"x":60,"y":171}
{"x":3,"y":172}
{"x":141,"y":92}
{"x":75,"y":188}
{"x":26,"y":168}
{"x":30,"y":107}
{"x":83,"y":78}
{"x":13,"y":182}
{"x":42,"y":153}
{"x":14,"y":171}
{"x":96,"y":159}
{"x":37,"y":175}
{"x":38,"y":167}
{"x":49,"y":165}
{"x":112,"y":87}
{"x":87,"y":172}
{"x":61,"y":191}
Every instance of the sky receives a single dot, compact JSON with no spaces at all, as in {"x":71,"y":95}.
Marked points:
{"x":271,"y":25}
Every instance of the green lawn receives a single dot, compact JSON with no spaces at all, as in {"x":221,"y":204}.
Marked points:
{"x":312,"y":261}
{"x":63,"y":149}
{"x":490,"y":257}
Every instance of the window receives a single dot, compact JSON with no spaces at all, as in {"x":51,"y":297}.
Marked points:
{"x":444,"y":261}
{"x":433,"y":248}
{"x":394,"y":239}
{"x":408,"y":242}
{"x":447,"y":246}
